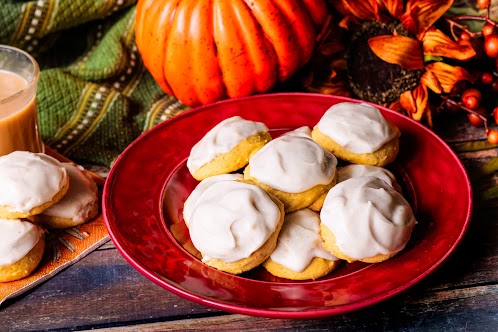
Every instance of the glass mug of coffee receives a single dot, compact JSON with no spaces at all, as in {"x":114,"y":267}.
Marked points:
{"x":19,"y":74}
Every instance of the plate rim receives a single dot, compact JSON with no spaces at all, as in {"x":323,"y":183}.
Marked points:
{"x":265,"y":312}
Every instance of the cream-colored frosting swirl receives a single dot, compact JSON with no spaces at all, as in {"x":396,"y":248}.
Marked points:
{"x":293,"y":163}
{"x":356,"y":171}
{"x":359,"y":128}
{"x":304,"y":131}
{"x":188,"y":207}
{"x":299,"y":241}
{"x":29,"y":180}
{"x":221,"y":139}
{"x":81,"y":198}
{"x":232,"y":219}
{"x":367,"y":217}
{"x":17,"y":238}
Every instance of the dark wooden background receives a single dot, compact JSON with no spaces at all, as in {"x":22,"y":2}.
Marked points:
{"x":103,"y":291}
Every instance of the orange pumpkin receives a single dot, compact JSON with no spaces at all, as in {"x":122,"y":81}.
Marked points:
{"x":202,"y":51}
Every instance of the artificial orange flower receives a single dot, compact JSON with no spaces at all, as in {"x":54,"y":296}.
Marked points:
{"x":418,"y":18}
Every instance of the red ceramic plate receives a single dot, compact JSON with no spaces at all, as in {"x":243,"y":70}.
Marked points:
{"x":146,"y":189}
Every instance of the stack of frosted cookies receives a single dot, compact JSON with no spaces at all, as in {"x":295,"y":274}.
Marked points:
{"x":38,"y":192}
{"x":285,"y":204}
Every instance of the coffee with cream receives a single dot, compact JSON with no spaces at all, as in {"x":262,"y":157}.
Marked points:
{"x":18,"y":115}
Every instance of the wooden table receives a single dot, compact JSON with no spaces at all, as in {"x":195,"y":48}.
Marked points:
{"x":103,"y":291}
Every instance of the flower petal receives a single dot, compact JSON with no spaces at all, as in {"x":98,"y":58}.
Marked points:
{"x":415,"y":102}
{"x":364,"y":10}
{"x":430,"y":80}
{"x":399,"y":50}
{"x":448,"y":75}
{"x":395,"y":7}
{"x":408,"y":102}
{"x":409,"y":22}
{"x":428,"y":116}
{"x":342,"y":7}
{"x":437,"y":43}
{"x":348,"y":22}
{"x":420,"y":15}
{"x":396,"y":106}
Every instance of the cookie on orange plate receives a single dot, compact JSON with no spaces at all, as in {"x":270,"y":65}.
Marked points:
{"x":79,"y":204}
{"x":31,"y":183}
{"x":21,"y":248}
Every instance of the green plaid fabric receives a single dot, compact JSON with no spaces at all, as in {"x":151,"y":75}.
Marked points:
{"x":95,"y":96}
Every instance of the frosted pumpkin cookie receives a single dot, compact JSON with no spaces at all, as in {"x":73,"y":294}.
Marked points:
{"x":356,"y":171}
{"x":79,"y":205}
{"x":235,"y":225}
{"x":227,"y":147}
{"x":357,"y":133}
{"x":299,"y":254}
{"x":21,"y":248}
{"x":364,"y":219}
{"x":188,"y":207}
{"x":295,"y":169}
{"x":30,"y":183}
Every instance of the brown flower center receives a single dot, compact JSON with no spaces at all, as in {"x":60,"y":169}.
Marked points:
{"x":370,"y":77}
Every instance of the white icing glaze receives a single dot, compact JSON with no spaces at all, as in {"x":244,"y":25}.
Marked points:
{"x":221,"y":139}
{"x":356,"y":171}
{"x":189,"y":206}
{"x":29,"y":180}
{"x":304,"y":131}
{"x":359,"y":128}
{"x":232,"y":219}
{"x":299,"y":241}
{"x":367,"y":217}
{"x":81,"y":198}
{"x":17,"y":238}
{"x":293,"y":163}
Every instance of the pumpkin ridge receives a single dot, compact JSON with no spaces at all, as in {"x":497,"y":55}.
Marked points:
{"x":200,"y":21}
{"x":267,"y":48}
{"x":234,"y":65}
{"x":217,"y":55}
{"x":148,"y":39}
{"x":276,"y":29}
{"x":207,"y":72}
{"x":164,"y":43}
{"x":301,"y":25}
{"x":177,"y":56}
{"x":190,"y":62}
{"x":257,"y":72}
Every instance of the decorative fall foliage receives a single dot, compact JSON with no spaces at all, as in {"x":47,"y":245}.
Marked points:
{"x":326,"y":71}
{"x":413,"y":52}
{"x":202,"y":51}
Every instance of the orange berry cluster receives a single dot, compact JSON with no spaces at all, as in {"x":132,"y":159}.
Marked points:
{"x":471,"y":98}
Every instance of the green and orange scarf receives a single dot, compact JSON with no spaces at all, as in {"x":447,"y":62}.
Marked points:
{"x":94,"y":96}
